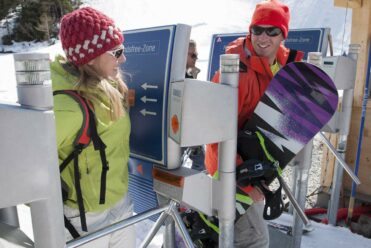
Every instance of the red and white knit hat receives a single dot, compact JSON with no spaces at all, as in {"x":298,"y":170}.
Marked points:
{"x":272,"y":12}
{"x":87,"y":33}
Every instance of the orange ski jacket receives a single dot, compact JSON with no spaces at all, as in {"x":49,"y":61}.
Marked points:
{"x":254,"y":77}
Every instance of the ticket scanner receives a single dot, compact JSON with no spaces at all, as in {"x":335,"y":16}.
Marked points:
{"x":29,"y":170}
{"x":200,"y":113}
{"x":342,"y":70}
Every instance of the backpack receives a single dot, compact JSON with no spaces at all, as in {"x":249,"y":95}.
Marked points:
{"x":87,"y":133}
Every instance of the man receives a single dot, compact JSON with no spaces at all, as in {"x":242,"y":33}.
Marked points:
{"x":196,"y":153}
{"x":191,"y":69}
{"x":262,"y":54}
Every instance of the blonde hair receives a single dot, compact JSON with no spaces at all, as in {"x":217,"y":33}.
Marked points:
{"x":115,"y":90}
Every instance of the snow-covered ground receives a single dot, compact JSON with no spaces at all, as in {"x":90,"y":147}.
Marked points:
{"x":208,"y":17}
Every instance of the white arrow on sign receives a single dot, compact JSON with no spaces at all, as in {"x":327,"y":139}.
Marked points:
{"x":144,"y":112}
{"x":146,"y":86}
{"x":145,"y":99}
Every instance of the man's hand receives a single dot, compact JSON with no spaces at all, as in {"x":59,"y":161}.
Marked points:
{"x":256,"y":194}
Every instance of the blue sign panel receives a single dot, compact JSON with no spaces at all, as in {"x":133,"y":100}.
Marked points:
{"x":147,"y":70}
{"x":141,"y":185}
{"x":306,"y":40}
{"x":218,"y":44}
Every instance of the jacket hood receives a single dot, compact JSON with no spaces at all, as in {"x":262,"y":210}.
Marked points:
{"x":62,"y":77}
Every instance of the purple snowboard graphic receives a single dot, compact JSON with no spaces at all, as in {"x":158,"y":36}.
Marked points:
{"x":298,"y":102}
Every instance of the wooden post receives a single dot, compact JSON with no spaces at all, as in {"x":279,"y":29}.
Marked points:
{"x":360,"y":34}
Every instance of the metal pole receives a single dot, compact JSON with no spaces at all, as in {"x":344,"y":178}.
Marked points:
{"x":114,"y":227}
{"x":295,"y":204}
{"x":302,"y":166}
{"x":339,"y":157}
{"x":303,"y":163}
{"x":181,"y":227}
{"x":229,"y":68}
{"x":344,"y":127}
{"x":169,"y":234}
{"x":151,"y":234}
{"x":337,"y":182}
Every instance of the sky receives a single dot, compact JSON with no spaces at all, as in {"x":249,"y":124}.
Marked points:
{"x":208,"y":17}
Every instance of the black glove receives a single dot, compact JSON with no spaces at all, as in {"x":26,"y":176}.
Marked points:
{"x":248,"y":146}
{"x":254,"y":171}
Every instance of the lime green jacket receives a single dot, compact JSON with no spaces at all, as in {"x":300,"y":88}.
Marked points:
{"x":115,"y":134}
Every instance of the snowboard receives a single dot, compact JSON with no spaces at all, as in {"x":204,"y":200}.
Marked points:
{"x":297,"y":104}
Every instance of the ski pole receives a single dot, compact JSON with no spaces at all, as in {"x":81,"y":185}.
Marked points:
{"x":360,"y":137}
{"x":295,"y":204}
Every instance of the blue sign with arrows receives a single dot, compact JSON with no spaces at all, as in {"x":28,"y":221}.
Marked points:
{"x":147,"y":71}
{"x":306,"y":40}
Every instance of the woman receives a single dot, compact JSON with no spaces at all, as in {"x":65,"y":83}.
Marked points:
{"x":94,"y":52}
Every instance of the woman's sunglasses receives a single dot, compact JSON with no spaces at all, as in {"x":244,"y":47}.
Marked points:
{"x":117,"y":52}
{"x":271,"y":31}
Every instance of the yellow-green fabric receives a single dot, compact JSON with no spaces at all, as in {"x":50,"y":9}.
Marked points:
{"x":275,"y":67}
{"x":115,"y":135}
{"x":239,"y":197}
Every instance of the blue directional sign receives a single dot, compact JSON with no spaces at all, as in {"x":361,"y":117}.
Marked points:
{"x":306,"y":40}
{"x":147,"y":70}
{"x":218,"y":44}
{"x":141,"y":185}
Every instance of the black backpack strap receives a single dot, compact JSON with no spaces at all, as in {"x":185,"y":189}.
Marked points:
{"x":243,"y":67}
{"x":99,"y":145}
{"x":80,"y":201}
{"x":292,"y":56}
{"x":71,"y":228}
{"x":88,"y":132}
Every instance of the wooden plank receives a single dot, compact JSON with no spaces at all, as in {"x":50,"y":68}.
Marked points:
{"x":328,"y":163}
{"x":365,"y":161}
{"x":348,"y":3}
{"x":361,"y":31}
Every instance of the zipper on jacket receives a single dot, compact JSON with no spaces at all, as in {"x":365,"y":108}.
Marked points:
{"x":87,"y":165}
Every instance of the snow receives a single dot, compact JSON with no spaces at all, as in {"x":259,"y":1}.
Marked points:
{"x":206,"y":17}
{"x":328,"y":236}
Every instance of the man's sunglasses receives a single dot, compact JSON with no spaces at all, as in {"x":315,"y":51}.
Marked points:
{"x":117,"y":52}
{"x":193,"y":55}
{"x":270,"y":31}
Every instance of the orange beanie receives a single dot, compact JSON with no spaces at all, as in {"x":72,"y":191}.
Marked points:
{"x":272,"y":12}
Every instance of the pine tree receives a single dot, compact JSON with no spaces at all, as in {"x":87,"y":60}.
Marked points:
{"x":37,"y":19}
{"x":6,"y":5}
